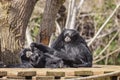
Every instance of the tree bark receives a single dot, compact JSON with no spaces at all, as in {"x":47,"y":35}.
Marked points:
{"x":15,"y":16}
{"x":47,"y":26}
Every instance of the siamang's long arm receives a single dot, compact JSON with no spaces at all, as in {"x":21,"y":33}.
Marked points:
{"x":46,"y":50}
{"x":87,"y":56}
{"x":84,"y":42}
{"x":41,"y":47}
{"x":51,"y":56}
{"x":58,"y":43}
{"x":84,"y":64}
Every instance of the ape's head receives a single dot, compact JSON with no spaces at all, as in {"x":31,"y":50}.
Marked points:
{"x":25,"y":55}
{"x":70,"y":35}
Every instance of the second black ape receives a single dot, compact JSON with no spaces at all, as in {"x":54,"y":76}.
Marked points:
{"x":39,"y":58}
{"x":25,"y":60}
{"x":75,"y":52}
{"x":43,"y":59}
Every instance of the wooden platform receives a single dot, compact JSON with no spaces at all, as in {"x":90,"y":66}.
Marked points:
{"x":58,"y":73}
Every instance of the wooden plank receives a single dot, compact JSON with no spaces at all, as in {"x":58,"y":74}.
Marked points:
{"x":43,"y":78}
{"x":3,"y":73}
{"x":69,"y":77}
{"x":83,"y":73}
{"x":104,"y":78}
{"x":59,"y":74}
{"x":44,"y":70}
{"x":15,"y":77}
{"x":65,"y":71}
{"x":27,"y":73}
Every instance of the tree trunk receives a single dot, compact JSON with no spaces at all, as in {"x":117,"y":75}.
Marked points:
{"x":15,"y":15}
{"x":47,"y":26}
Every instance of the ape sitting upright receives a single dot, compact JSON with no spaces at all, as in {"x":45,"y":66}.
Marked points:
{"x":73,"y":48}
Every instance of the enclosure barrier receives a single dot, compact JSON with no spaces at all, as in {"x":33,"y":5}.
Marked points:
{"x":95,"y":73}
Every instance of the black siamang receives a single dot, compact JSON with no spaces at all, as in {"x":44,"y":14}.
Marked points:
{"x":73,"y":48}
{"x":37,"y":57}
{"x":43,"y":57}
{"x":25,"y":60}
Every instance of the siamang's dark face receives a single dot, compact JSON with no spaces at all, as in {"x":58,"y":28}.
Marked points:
{"x":28,"y":54}
{"x":70,"y":35}
{"x":25,"y":54}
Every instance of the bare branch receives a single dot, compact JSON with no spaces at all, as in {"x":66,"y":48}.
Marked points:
{"x":104,"y":35}
{"x":68,"y":15}
{"x":72,"y":25}
{"x":103,"y":57}
{"x":28,"y":37}
{"x":72,"y":5}
{"x":80,"y":4}
{"x":74,"y":13}
{"x":52,"y":37}
{"x":58,"y":27}
{"x":103,"y":25}
{"x":106,"y":46}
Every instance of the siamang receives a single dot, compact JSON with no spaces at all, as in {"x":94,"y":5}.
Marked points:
{"x":25,"y":60}
{"x":73,"y":48}
{"x":43,"y":57}
{"x":29,"y":59}
{"x":36,"y":58}
{"x":25,"y":55}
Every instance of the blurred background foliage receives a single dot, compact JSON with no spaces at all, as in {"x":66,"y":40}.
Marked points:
{"x":92,"y":16}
